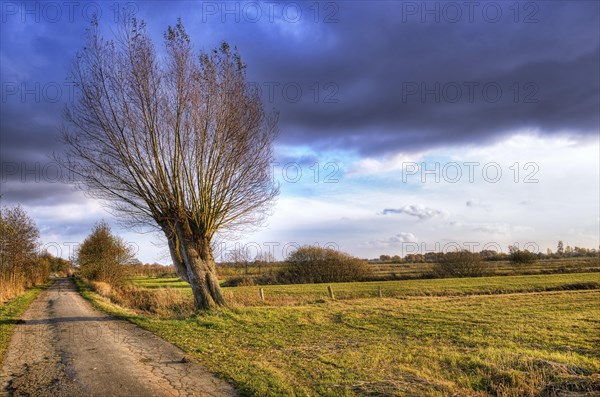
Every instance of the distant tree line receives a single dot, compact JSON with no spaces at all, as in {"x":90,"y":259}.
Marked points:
{"x":513,"y":255}
{"x":151,"y":270}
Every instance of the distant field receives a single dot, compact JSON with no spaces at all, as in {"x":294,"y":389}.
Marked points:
{"x":497,"y":268}
{"x":390,"y":271}
{"x":310,"y":293}
{"x":419,"y":343}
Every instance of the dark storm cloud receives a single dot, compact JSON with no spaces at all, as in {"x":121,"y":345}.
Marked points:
{"x":408,"y":86}
{"x":38,"y":192}
{"x":373,"y":77}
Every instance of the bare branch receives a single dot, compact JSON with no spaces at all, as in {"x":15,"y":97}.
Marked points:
{"x":183,"y":144}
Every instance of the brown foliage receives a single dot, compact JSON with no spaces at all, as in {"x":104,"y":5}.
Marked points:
{"x":103,"y":256}
{"x":310,"y":264}
{"x":459,"y":264}
{"x":20,"y":265}
{"x":518,"y":256}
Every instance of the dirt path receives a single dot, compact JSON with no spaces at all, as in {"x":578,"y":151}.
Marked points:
{"x":67,"y":348}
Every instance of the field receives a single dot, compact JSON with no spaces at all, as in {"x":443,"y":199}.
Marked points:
{"x":403,"y":271}
{"x":316,"y":293}
{"x":500,"y":336}
{"x":494,"y":268}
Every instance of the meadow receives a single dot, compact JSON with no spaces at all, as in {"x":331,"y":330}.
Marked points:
{"x":409,"y":270}
{"x":492,"y":268}
{"x":535,"y":335}
{"x":295,"y":294}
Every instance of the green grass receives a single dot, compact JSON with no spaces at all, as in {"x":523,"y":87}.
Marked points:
{"x":492,"y":268}
{"x":11,"y":311}
{"x":310,"y":293}
{"x":408,"y":270}
{"x":419,"y":343}
{"x":159,"y":282}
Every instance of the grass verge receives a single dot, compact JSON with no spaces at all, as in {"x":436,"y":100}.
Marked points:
{"x":10,"y":313}
{"x":520,"y":344}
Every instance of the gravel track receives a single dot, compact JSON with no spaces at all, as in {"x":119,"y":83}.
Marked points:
{"x":64,"y":347}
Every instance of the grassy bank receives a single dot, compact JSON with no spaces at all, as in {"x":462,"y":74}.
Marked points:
{"x":417,"y":343}
{"x":10,"y":313}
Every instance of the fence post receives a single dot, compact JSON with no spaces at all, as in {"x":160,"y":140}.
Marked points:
{"x":380,"y":292}
{"x":330,"y":291}
{"x":261,"y":292}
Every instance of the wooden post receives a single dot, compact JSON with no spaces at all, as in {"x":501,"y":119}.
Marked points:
{"x":261,"y":292}
{"x":380,"y":292}
{"x":330,"y":291}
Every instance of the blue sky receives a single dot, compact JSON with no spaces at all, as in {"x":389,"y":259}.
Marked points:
{"x":399,"y":116}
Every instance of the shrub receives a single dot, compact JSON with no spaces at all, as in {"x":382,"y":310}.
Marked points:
{"x":459,"y":264}
{"x":310,"y":264}
{"x":239,"y":281}
{"x":522,"y":257}
{"x":103,"y":256}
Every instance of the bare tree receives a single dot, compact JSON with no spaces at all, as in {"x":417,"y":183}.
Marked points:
{"x":240,"y":257}
{"x":20,"y":265}
{"x":180,"y":142}
{"x":263,"y":259}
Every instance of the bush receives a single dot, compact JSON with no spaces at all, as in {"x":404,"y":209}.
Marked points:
{"x":459,"y":264}
{"x":311,"y":264}
{"x":522,"y":257}
{"x":103,"y":256}
{"x":239,"y":281}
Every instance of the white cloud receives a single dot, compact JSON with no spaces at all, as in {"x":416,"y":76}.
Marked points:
{"x":563,"y":204}
{"x":474,"y":204}
{"x":502,"y":213}
{"x":394,"y":241}
{"x":419,"y":211}
{"x":378,"y":166}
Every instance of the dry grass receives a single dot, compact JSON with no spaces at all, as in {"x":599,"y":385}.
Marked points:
{"x":507,"y":336}
{"x":299,"y":294}
{"x":14,"y":282}
{"x":160,"y":301}
{"x":527,"y":344}
{"x":9,"y":287}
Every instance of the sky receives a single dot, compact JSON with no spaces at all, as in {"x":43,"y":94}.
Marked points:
{"x":405,"y":126}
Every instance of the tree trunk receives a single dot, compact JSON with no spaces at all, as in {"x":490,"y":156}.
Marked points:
{"x":201,"y":271}
{"x":180,"y":267}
